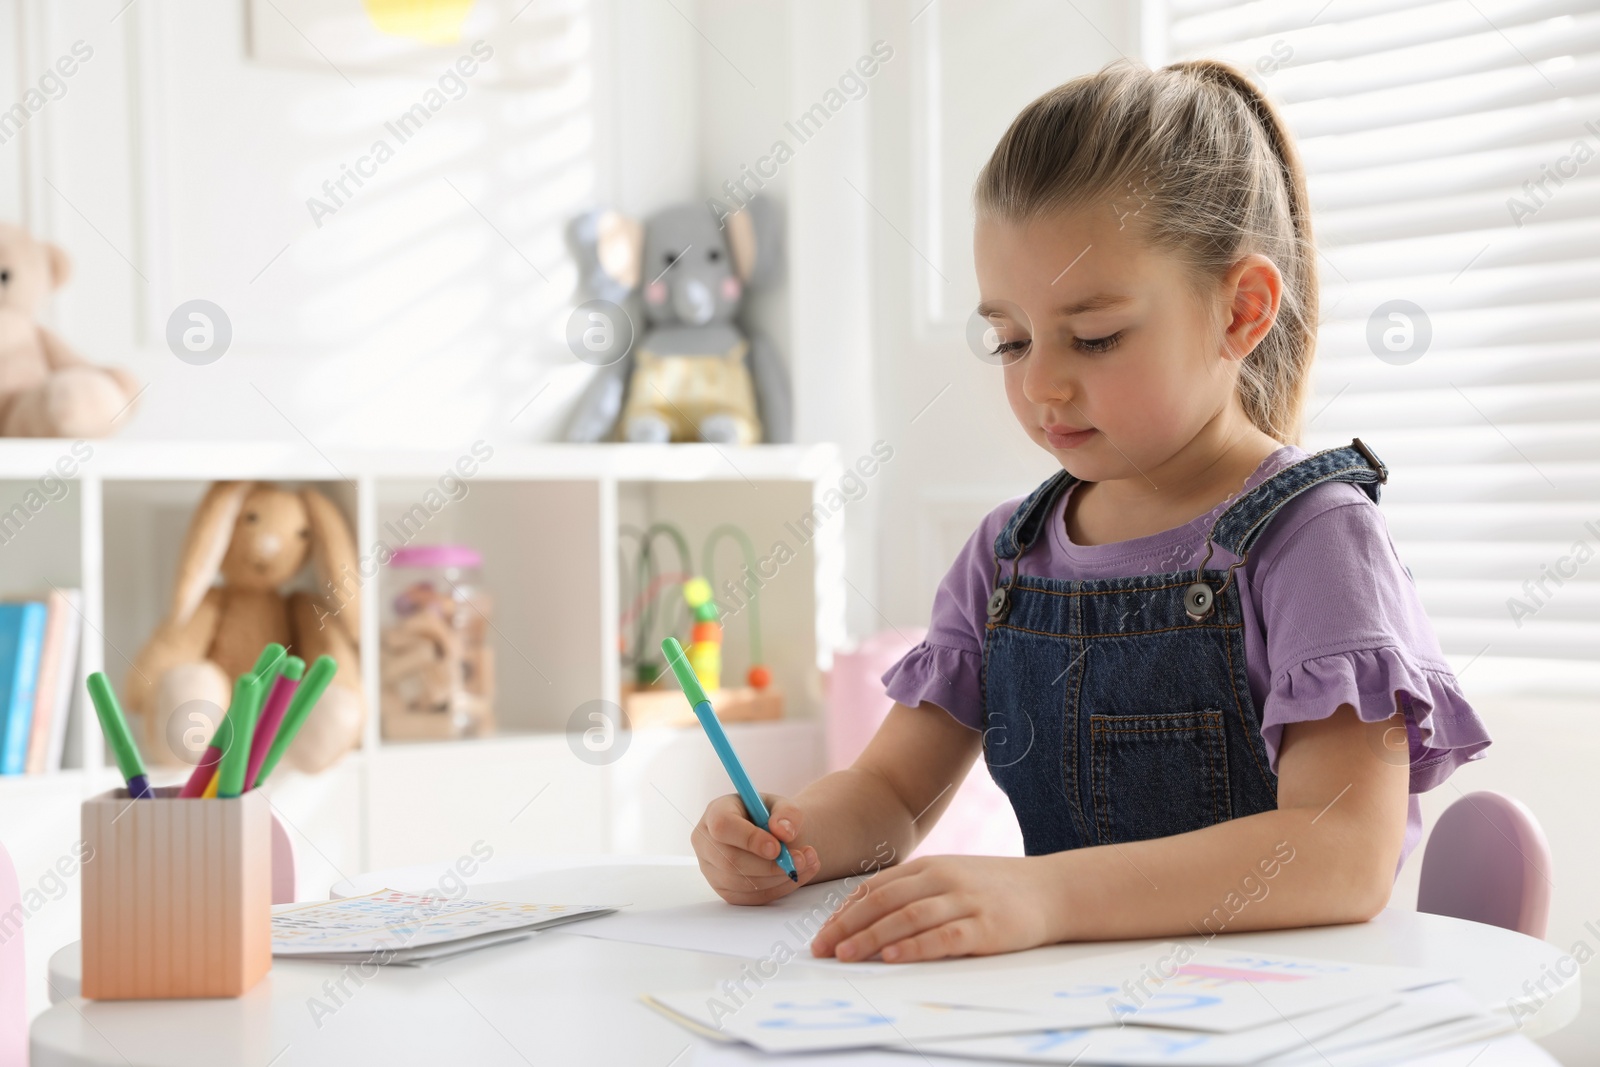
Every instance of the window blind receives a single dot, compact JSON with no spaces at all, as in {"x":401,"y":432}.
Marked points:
{"x":1453,"y":162}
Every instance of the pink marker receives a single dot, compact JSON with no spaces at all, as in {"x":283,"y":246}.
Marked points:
{"x":270,"y":660}
{"x":283,"y":687}
{"x":200,"y":777}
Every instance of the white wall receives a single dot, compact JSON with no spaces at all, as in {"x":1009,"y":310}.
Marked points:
{"x":178,"y":167}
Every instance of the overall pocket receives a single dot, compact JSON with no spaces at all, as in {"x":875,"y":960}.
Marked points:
{"x":1157,"y":775}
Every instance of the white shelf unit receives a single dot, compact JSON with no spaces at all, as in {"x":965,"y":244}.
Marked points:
{"x":546,"y":518}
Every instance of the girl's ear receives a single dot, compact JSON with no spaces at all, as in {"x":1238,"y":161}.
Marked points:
{"x":1256,"y":288}
{"x":333,"y":554}
{"x":206,"y":544}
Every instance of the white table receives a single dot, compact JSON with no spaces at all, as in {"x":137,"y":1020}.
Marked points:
{"x":562,"y":998}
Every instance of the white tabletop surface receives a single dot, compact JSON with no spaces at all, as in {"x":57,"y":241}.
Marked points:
{"x":560,"y":997}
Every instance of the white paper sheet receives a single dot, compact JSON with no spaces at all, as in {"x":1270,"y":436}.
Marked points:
{"x":837,"y":1014}
{"x":1187,"y":996}
{"x":1426,"y":1020}
{"x":1501,"y":1050}
{"x":1149,"y":1046}
{"x":709,"y":1054}
{"x":393,"y":925}
{"x":783,"y":928}
{"x":1172,"y":985}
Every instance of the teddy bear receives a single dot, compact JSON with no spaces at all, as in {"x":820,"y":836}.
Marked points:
{"x":47,"y":389}
{"x":692,"y":372}
{"x":257,"y":537}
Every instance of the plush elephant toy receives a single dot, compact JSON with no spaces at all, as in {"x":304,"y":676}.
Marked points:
{"x":692,"y":372}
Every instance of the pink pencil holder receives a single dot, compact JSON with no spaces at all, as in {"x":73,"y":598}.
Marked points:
{"x":177,"y":895}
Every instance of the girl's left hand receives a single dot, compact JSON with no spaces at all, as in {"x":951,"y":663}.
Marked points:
{"x":937,"y":906}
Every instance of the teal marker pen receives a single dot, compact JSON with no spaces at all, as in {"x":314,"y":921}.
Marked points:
{"x":719,"y":741}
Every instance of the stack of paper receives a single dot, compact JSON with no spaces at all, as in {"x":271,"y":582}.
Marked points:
{"x":391,"y":927}
{"x":1168,"y":1004}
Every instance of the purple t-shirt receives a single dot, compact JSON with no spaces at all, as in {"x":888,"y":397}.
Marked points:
{"x":1346,"y":627}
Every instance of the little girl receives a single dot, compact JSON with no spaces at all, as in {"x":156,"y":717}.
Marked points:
{"x":1191,"y":658}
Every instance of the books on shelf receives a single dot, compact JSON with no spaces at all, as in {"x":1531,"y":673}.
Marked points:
{"x":21,"y":643}
{"x":39,"y":643}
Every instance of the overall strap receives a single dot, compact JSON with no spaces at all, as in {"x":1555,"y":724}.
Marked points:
{"x":1246,"y":518}
{"x":1025,"y":523}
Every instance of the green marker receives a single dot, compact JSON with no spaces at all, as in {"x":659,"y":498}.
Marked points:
{"x":269,"y":662}
{"x":115,"y":727}
{"x":222,"y":739}
{"x":242,"y":719}
{"x":316,"y":681}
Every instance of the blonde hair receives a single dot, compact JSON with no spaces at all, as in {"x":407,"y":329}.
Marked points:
{"x":1203,"y":165}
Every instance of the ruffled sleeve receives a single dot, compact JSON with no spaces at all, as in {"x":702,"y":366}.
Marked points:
{"x":1343,"y":623}
{"x":938,"y":674}
{"x":945,"y":668}
{"x":1443,"y":729}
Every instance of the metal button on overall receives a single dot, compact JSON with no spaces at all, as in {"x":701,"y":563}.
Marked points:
{"x":1197,"y":600}
{"x":998,"y":601}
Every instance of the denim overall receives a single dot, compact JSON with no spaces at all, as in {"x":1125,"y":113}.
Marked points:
{"x":1118,"y":709}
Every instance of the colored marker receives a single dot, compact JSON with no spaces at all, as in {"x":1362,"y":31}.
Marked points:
{"x":269,"y":661}
{"x":317,"y":678}
{"x":272,"y":658}
{"x":246,"y":698}
{"x":283,"y":687}
{"x":719,"y":741}
{"x":206,"y":769}
{"x":115,"y":727}
{"x":247,"y":690}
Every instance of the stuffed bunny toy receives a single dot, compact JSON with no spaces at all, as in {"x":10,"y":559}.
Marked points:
{"x":693,"y":373}
{"x":257,"y":537}
{"x":46,"y":389}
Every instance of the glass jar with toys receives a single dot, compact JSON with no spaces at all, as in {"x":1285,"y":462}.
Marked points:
{"x":437,"y":667}
{"x":683,"y":600}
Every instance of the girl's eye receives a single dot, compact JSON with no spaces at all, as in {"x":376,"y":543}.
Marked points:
{"x":1098,"y":344}
{"x":1010,"y":351}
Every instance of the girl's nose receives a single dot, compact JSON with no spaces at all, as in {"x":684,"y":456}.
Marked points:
{"x":1042,"y":379}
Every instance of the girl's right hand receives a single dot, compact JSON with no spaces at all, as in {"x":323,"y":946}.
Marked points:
{"x":739,"y":859}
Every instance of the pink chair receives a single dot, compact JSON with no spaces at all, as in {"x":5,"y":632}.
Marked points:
{"x":13,"y":974}
{"x":857,"y":704}
{"x":282,"y":867}
{"x":1487,"y":860}
{"x":979,"y":819}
